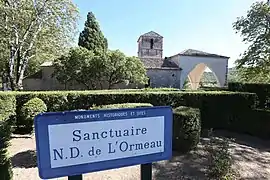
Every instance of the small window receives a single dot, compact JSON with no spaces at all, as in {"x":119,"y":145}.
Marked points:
{"x":151,"y":43}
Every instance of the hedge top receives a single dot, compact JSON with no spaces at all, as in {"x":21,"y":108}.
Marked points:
{"x":96,"y":92}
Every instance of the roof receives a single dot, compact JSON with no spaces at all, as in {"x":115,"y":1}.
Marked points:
{"x":158,"y":63}
{"x":150,"y":34}
{"x":193,"y":52}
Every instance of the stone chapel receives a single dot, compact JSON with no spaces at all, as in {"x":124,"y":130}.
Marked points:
{"x":162,"y":71}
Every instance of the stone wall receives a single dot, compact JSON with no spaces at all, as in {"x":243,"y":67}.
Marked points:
{"x":47,"y":82}
{"x":145,"y":50}
{"x":164,"y":78}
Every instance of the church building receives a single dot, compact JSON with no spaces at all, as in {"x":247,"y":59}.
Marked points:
{"x":162,"y":71}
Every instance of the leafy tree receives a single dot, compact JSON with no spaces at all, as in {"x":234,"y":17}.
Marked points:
{"x":33,"y":31}
{"x":122,"y":69}
{"x":92,"y":37}
{"x":255,"y":30}
{"x":98,"y":70}
{"x":78,"y":66}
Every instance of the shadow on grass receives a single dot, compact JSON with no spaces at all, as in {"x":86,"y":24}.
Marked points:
{"x":26,"y":159}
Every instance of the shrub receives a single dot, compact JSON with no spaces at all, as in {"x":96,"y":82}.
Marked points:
{"x":28,"y":112}
{"x":262,"y":91}
{"x":218,"y":108}
{"x":255,"y":122}
{"x":7,"y":110}
{"x":124,"y":105}
{"x":220,"y":159}
{"x":186,"y":128}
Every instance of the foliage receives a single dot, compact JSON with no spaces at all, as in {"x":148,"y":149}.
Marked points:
{"x":186,"y":128}
{"x":92,"y":37}
{"x":254,"y":122}
{"x":28,"y":111}
{"x":262,"y":91}
{"x":119,"y":106}
{"x":98,"y":70}
{"x":79,"y":65}
{"x":120,"y":69}
{"x":7,"y":110}
{"x":255,"y":30}
{"x":220,"y":159}
{"x":31,"y":31}
{"x":219,"y":109}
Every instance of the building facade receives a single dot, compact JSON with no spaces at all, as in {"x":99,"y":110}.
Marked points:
{"x":162,"y":72}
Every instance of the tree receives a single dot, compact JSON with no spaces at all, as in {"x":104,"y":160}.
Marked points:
{"x":255,"y":30}
{"x":122,"y":69}
{"x":92,"y":37}
{"x":78,"y":66}
{"x":98,"y":70}
{"x":33,"y":31}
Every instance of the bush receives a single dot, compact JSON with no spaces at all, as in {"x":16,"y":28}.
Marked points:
{"x":119,"y":106}
{"x":255,"y":122}
{"x":218,"y":108}
{"x":7,"y":110}
{"x":28,"y":112}
{"x":262,"y":91}
{"x":186,"y":128}
{"x":220,"y":159}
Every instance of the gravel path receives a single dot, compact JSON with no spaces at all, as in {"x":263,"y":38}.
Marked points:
{"x":251,"y":155}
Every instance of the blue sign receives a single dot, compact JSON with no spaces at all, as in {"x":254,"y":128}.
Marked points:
{"x":78,"y":142}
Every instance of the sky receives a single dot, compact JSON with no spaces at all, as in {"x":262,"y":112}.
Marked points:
{"x":204,"y":25}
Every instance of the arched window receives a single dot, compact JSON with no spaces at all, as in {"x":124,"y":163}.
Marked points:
{"x":151,"y":43}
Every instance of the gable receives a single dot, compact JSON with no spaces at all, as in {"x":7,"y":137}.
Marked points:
{"x":150,"y":34}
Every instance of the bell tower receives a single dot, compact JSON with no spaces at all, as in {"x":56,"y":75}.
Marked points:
{"x":150,"y":45}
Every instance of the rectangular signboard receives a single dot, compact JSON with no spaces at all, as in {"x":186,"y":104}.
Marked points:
{"x":78,"y":142}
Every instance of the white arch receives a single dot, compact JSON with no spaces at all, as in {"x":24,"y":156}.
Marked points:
{"x":196,"y":74}
{"x":197,"y":65}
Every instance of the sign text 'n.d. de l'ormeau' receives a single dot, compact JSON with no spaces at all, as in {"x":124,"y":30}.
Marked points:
{"x":77,"y":142}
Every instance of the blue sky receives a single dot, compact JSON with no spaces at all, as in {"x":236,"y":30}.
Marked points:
{"x":197,"y":24}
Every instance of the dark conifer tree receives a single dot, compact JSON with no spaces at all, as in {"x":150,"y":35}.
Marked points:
{"x":92,"y":37}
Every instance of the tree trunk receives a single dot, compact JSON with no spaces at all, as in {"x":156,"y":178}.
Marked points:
{"x":21,"y":74}
{"x":11,"y":77}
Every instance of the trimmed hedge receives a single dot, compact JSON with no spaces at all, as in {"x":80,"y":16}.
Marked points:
{"x":124,"y":105}
{"x":262,"y":91}
{"x":28,"y":112}
{"x":68,"y":100}
{"x":212,"y":104}
{"x":255,"y":122}
{"x":7,"y":110}
{"x":218,"y":109}
{"x":186,"y":128}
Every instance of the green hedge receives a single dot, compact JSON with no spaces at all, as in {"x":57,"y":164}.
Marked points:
{"x":254,"y":122}
{"x":217,"y":107}
{"x":27,"y":114}
{"x":59,"y":101}
{"x":7,"y":110}
{"x":123,"y":105}
{"x":186,"y":124}
{"x":212,"y":104}
{"x":262,"y":91}
{"x":186,"y":128}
